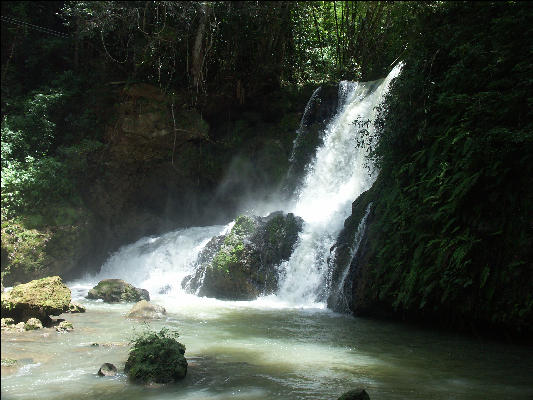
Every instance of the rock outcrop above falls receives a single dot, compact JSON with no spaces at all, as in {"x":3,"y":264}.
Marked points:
{"x":242,"y":264}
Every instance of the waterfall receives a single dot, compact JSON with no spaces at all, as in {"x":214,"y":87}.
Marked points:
{"x":157,"y":264}
{"x":339,"y":173}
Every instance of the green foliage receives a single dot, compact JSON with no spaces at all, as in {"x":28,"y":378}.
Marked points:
{"x":34,"y":184}
{"x":456,"y":159}
{"x":156,"y":357}
{"x":29,"y":130}
{"x":39,"y":164}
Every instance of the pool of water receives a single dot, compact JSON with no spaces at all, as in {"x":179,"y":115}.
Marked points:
{"x":259,"y":350}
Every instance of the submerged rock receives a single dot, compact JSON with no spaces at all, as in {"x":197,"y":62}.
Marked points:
{"x":242,"y":264}
{"x":33,"y":324}
{"x":76,"y":308}
{"x":107,"y":369}
{"x":117,"y":290}
{"x":357,"y":394}
{"x":64,"y":326}
{"x":146,"y":310}
{"x":36,"y":299}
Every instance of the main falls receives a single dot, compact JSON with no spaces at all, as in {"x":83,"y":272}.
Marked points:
{"x":339,"y":171}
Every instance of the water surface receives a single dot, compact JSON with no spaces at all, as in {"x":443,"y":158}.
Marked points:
{"x":261,"y":350}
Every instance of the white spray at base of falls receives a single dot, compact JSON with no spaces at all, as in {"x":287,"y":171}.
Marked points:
{"x":157,"y":264}
{"x":340,"y":172}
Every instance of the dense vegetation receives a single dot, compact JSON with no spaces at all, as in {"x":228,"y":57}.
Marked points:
{"x":451,"y":231}
{"x":452,"y":235}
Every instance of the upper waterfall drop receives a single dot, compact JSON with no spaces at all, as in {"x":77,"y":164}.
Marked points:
{"x":339,"y":173}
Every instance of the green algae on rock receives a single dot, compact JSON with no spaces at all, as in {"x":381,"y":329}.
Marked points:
{"x":117,"y":290}
{"x":36,"y":299}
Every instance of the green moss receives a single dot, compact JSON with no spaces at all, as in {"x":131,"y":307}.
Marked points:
{"x":233,"y":248}
{"x":25,"y":249}
{"x":243,"y":226}
{"x":38,"y":298}
{"x":39,"y":245}
{"x":8,"y":362}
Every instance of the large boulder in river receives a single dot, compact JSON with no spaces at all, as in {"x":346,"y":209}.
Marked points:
{"x":146,"y":310}
{"x":117,"y":290}
{"x":156,"y":357}
{"x":36,"y":299}
{"x":242,"y":264}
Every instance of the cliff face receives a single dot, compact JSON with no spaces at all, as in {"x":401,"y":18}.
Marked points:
{"x":143,"y":181}
{"x":162,"y":166}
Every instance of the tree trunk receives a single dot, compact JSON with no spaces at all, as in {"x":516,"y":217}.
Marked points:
{"x":197,"y":51}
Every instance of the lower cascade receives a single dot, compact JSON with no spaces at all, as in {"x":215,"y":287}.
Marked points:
{"x":180,"y":263}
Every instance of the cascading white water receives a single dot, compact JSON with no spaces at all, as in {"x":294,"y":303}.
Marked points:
{"x":338,"y":175}
{"x":157,"y":264}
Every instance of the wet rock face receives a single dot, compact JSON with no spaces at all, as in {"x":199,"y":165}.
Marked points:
{"x":117,"y":290}
{"x":347,"y":257}
{"x":243,"y":264}
{"x":36,"y":299}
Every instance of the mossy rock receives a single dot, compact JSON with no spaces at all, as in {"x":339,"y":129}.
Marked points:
{"x":117,"y":290}
{"x":156,"y":357}
{"x":36,"y":299}
{"x":33,"y":324}
{"x":242,"y":264}
{"x":74,"y":308}
{"x":64,"y":326}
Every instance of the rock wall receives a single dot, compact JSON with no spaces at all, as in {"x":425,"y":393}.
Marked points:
{"x":163,"y":165}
